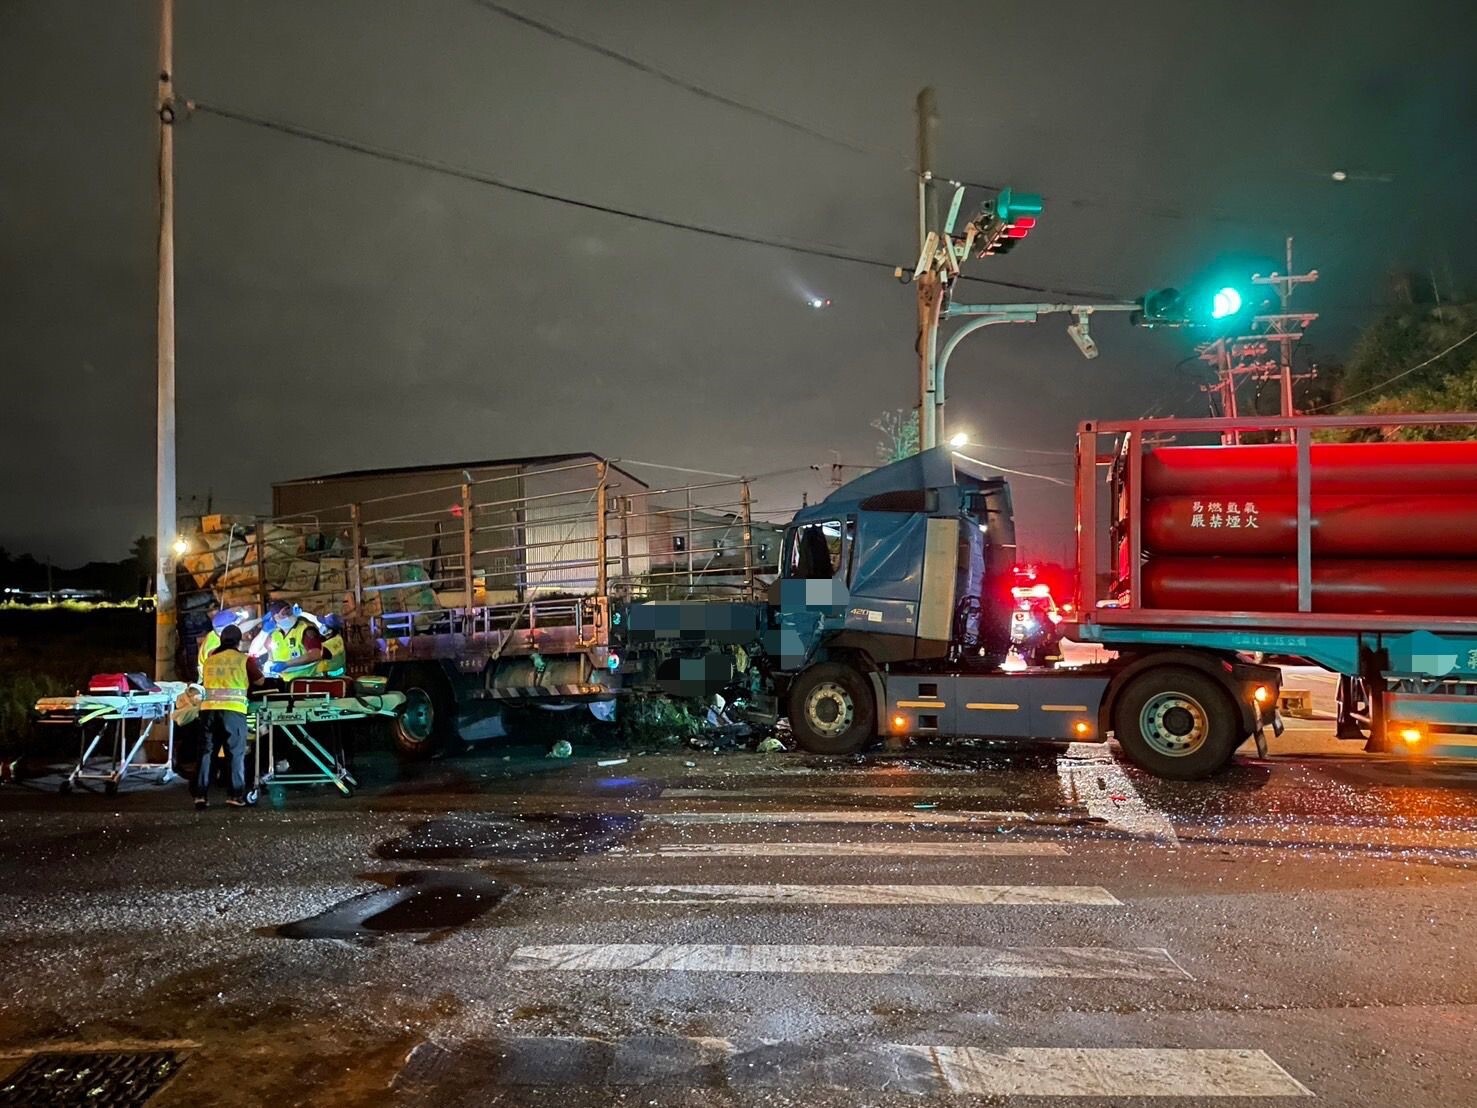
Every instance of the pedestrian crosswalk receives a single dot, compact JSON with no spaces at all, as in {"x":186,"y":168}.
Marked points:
{"x":916,"y":961}
{"x":734,"y":876}
{"x":649,"y":1061}
{"x":862,"y":894}
{"x":874,"y":849}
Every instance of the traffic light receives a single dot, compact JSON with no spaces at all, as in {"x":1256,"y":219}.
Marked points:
{"x":1218,"y":306}
{"x":1009,"y":218}
{"x":1161,"y":308}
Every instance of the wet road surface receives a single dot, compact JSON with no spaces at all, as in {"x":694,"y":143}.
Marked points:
{"x":917,"y":927}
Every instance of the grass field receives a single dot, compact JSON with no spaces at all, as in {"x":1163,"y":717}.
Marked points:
{"x":52,"y":651}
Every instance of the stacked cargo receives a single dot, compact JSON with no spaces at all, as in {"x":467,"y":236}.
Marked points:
{"x":1392,"y":525}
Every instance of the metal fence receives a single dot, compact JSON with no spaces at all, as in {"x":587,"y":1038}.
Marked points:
{"x":511,"y":562}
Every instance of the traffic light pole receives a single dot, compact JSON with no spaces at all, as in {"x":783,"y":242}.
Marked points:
{"x":930,"y":282}
{"x":987,"y":315}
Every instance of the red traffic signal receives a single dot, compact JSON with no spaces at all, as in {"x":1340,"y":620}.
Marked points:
{"x":1009,"y":219}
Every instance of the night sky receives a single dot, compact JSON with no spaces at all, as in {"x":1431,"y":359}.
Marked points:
{"x":339,"y":312}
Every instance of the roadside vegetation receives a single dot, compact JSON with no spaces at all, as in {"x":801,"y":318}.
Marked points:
{"x":51,"y":650}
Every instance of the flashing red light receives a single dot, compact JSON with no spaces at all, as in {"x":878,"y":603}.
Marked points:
{"x":456,"y":511}
{"x":1026,"y":221}
{"x":1017,"y":232}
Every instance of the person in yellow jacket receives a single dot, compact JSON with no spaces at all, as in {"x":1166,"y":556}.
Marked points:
{"x":218,"y":623}
{"x":333,"y":663}
{"x":228,"y":676}
{"x":295,"y":646}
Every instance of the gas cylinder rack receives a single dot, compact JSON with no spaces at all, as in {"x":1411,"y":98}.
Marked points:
{"x":1360,"y":556}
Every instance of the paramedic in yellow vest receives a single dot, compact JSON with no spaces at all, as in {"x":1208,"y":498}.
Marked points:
{"x":228,"y":675}
{"x":218,"y":623}
{"x":295,"y":646}
{"x":332,"y":664}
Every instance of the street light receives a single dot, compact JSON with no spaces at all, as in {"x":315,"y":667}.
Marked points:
{"x":958,"y":439}
{"x":181,"y":547}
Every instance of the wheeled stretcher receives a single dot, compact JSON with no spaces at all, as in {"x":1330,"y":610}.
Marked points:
{"x":303,"y":704}
{"x":125,"y":720}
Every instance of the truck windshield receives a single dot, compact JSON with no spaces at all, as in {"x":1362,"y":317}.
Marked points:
{"x":814,"y":551}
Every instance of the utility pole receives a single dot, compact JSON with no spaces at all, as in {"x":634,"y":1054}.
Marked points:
{"x":1266,"y":354}
{"x":930,"y":282}
{"x":165,"y":631}
{"x":1286,"y":327}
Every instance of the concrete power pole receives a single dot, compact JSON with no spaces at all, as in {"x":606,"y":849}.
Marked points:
{"x":930,"y":283}
{"x":165,"y":631}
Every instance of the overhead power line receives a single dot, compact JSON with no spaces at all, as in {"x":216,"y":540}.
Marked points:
{"x":447,"y":169}
{"x":680,"y":82}
{"x":1403,"y":373}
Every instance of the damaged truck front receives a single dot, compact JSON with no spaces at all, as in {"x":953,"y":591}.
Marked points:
{"x":891,"y":616}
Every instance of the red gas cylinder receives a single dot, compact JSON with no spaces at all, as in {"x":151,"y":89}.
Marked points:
{"x":1342,"y":525}
{"x":1353,"y":586}
{"x":1379,"y":468}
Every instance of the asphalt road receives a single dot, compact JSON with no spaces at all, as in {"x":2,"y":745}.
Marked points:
{"x":921,"y":926}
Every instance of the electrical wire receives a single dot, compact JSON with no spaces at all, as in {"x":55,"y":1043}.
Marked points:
{"x":447,"y":169}
{"x":680,"y":82}
{"x":1398,"y":376}
{"x":1117,"y":204}
{"x":1015,"y":472}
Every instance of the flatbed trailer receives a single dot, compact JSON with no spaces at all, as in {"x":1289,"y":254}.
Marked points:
{"x":485,"y":590}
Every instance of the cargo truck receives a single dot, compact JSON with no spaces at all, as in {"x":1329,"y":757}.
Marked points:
{"x":885,"y":609}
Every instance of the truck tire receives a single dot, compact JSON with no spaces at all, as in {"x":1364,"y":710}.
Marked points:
{"x":832,"y":710}
{"x":428,"y":718}
{"x":1177,"y":723}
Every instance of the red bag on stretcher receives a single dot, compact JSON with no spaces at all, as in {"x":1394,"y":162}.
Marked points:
{"x":120,"y":684}
{"x":333,"y":686}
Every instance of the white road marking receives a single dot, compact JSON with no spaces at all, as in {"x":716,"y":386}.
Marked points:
{"x":863,"y":894}
{"x":841,"y":815}
{"x":1108,"y":1072}
{"x":1144,"y":964}
{"x":852,"y":850}
{"x":840,"y":790}
{"x":710,"y":1062}
{"x":1091,"y":777}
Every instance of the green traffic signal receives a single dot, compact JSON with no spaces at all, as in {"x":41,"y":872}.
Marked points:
{"x":1011,"y":205}
{"x":1226,"y":302}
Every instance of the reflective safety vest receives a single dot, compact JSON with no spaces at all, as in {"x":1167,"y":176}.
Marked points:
{"x":286,"y":645}
{"x":207,"y":648}
{"x":332,"y":662}
{"x":226,"y":682}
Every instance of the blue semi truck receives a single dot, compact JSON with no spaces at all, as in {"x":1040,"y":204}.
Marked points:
{"x":891,"y":612}
{"x":891,"y":616}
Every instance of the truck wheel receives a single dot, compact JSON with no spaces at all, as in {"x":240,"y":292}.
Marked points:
{"x":832,"y":710}
{"x":1177,"y":723}
{"x":424,"y":722}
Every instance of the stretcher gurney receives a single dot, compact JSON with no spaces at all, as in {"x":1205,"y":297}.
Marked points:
{"x":291,"y":713}
{"x":117,"y":714}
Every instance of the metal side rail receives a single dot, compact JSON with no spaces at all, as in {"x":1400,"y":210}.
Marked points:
{"x":292,"y":714}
